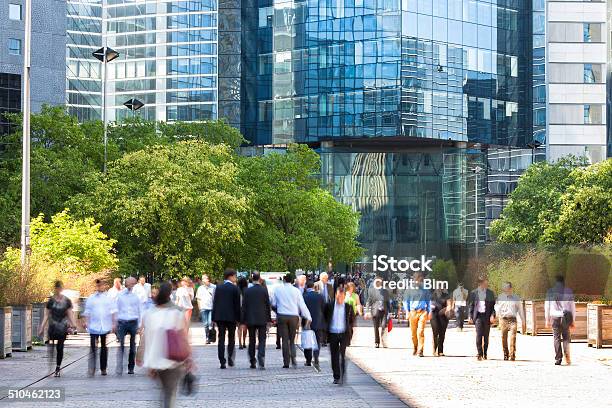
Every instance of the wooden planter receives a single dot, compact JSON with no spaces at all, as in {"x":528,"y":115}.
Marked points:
{"x":22,"y":327}
{"x":534,"y":316}
{"x":580,"y":322}
{"x":599,"y":323}
{"x":6,"y":324}
{"x":38,"y":314}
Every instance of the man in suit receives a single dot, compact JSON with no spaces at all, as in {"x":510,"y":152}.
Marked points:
{"x":226,"y":312}
{"x":326,"y":289}
{"x":379,"y":305}
{"x":256,"y":314}
{"x":316,"y":306}
{"x":340,"y":318}
{"x":481,"y":304}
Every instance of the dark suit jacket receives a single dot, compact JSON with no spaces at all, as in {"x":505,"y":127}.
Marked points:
{"x":377,"y":296}
{"x":489,"y":304}
{"x":226,"y":303}
{"x":316,"y":306}
{"x":256,"y":310}
{"x":349,"y":316}
{"x":318,"y":287}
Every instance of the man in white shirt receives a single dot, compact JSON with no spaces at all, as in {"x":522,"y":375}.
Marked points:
{"x":114,"y":291}
{"x":341,"y":319}
{"x":482,"y":313}
{"x":142,"y":289}
{"x":129,"y":317}
{"x":100,"y":320}
{"x":459,"y":297}
{"x":560,"y":313}
{"x":204,"y":296}
{"x":508,"y":307}
{"x":289,"y":305}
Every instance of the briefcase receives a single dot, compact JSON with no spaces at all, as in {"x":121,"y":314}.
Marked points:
{"x":212,"y":335}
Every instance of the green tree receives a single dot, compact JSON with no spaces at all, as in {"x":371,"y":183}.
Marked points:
{"x":294,"y":223}
{"x":173,"y":209}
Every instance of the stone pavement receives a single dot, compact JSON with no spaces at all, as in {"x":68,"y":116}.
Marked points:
{"x":459,"y":380}
{"x":234,"y":387}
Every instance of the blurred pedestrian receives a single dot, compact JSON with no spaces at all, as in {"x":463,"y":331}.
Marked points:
{"x":160,"y":323}
{"x":58,"y":313}
{"x":560,"y":313}
{"x":116,"y":289}
{"x":326,"y":289}
{"x":226,"y":314}
{"x":256,"y":314}
{"x":142,"y":289}
{"x":129,"y":319}
{"x":482,"y":313}
{"x":439,"y":313}
{"x":184,"y":298}
{"x":508,"y":307}
{"x":417,"y":305}
{"x":459,"y":298}
{"x":378,"y":306}
{"x":316,"y":306}
{"x":300,"y":283}
{"x":341,"y":319}
{"x":243,"y":284}
{"x":205,"y":295}
{"x":100,"y":316}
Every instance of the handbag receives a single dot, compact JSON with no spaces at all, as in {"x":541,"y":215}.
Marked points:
{"x":212,"y":335}
{"x":389,"y":325}
{"x":187,"y":384}
{"x":309,"y":340}
{"x":178,"y":348}
{"x":140,"y":351}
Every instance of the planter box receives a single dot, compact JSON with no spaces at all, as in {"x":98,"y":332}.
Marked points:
{"x":6,"y":324}
{"x":22,"y":327}
{"x":580,"y":331}
{"x":534,"y":316}
{"x":599,"y":323}
{"x":38,"y":314}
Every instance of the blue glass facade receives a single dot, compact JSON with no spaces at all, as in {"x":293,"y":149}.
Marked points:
{"x":442,"y":69}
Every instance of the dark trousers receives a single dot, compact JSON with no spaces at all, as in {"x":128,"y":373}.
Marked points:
{"x":257,"y":333}
{"x":59,"y":350}
{"x":125,"y":327}
{"x":337,"y":348}
{"x":439,"y":323}
{"x":310,"y":353}
{"x":230,"y":328}
{"x":287,"y":328}
{"x":561,"y":336}
{"x":460,"y":315}
{"x":93,"y":352}
{"x":483,"y":327}
{"x":380,"y":325}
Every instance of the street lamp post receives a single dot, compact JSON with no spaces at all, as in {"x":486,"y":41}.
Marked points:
{"x":25,"y":177}
{"x":133,"y":105}
{"x":533,"y":145}
{"x":105,"y":55}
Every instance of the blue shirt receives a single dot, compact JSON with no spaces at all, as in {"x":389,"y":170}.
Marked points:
{"x":338,"y":322}
{"x":417,"y":299}
{"x":129,"y":306}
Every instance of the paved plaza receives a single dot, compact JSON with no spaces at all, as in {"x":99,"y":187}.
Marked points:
{"x":234,"y":387}
{"x":459,"y":380}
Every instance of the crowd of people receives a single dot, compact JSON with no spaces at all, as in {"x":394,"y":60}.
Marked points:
{"x":325,"y":309}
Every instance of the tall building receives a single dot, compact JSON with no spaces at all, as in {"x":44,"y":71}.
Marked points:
{"x":48,"y":75}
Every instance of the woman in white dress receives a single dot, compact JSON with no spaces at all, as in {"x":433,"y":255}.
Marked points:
{"x":184,"y":298}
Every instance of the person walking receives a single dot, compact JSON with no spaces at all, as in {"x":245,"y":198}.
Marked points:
{"x":129,"y":318}
{"x":508,"y":307}
{"x":256,"y":314}
{"x":184,"y":298}
{"x":417,"y":306}
{"x":225,"y":314}
{"x":142,"y":289}
{"x":243,"y":284}
{"x":316,"y":306}
{"x":100,"y":317}
{"x":378,"y":305}
{"x":116,"y":289}
{"x":341,"y":319}
{"x":482,"y":313}
{"x":289,"y":304}
{"x":459,"y":298}
{"x":58,"y":314}
{"x":158,"y":322}
{"x":439,"y":313}
{"x":204,"y":295}
{"x":560,"y":313}
{"x":326,"y":289}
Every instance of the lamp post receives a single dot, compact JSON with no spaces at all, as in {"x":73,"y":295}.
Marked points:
{"x":105,"y":55}
{"x":25,"y":169}
{"x":533,"y":145}
{"x":133,"y":105}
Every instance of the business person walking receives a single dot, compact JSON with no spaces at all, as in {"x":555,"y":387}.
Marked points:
{"x":226,"y":313}
{"x":256,"y":314}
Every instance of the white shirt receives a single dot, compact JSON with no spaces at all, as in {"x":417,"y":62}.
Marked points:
{"x":114,"y":292}
{"x":99,"y":310}
{"x":184,"y":296}
{"x":205,"y":296}
{"x":289,"y":301}
{"x":129,"y":306}
{"x":157,"y":320}
{"x":509,"y":306}
{"x":460,"y":296}
{"x":141,"y":292}
{"x":480,"y":305}
{"x":338,"y":323}
{"x":558,"y":300}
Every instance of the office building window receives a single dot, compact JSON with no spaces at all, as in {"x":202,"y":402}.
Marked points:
{"x":592,"y":74}
{"x":592,"y":32}
{"x":15,"y":11}
{"x":14,"y":46}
